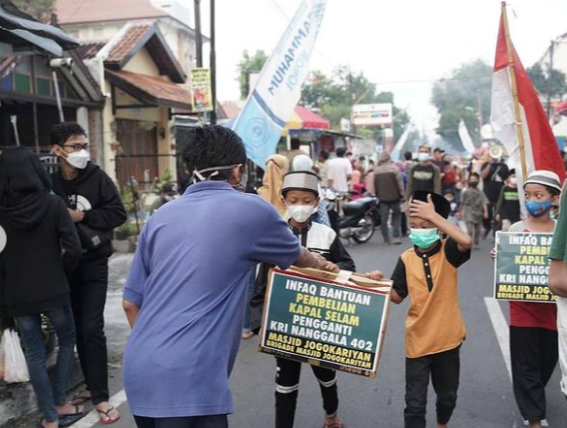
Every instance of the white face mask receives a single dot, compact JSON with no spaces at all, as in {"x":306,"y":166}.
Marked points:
{"x":301,"y":213}
{"x":78,"y":159}
{"x":423,"y":157}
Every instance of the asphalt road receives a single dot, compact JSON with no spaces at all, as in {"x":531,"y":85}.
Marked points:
{"x":485,"y":396}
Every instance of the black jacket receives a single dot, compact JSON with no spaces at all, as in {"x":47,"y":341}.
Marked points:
{"x":98,"y":198}
{"x":33,"y":268}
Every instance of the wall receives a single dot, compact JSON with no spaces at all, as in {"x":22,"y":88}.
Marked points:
{"x":142,"y":63}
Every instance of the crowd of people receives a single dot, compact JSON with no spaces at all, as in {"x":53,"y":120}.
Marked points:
{"x":196,"y":288}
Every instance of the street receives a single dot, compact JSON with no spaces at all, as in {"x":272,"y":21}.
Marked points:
{"x":485,"y":396}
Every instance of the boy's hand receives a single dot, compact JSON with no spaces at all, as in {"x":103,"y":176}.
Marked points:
{"x":375,"y":275}
{"x":331,"y":267}
{"x":459,"y":215}
{"x":424,"y":210}
{"x":493,"y":254}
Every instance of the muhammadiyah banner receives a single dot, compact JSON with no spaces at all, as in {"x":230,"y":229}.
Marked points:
{"x":320,"y":322}
{"x":271,"y":103}
{"x":521,"y":268}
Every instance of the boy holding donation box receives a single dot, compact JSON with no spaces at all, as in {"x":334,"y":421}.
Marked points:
{"x":435,"y":329}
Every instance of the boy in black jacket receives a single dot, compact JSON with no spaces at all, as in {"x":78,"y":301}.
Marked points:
{"x":95,"y":207}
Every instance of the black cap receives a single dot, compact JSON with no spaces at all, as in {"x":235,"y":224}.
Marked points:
{"x":437,"y":149}
{"x":442,"y":205}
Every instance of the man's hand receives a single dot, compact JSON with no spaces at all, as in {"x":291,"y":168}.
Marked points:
{"x":485,"y":216}
{"x":424,"y":210}
{"x":331,"y":267}
{"x":375,"y":275}
{"x":76,"y":216}
{"x":459,"y":215}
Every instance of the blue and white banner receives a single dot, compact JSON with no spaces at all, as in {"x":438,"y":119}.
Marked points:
{"x":271,"y":103}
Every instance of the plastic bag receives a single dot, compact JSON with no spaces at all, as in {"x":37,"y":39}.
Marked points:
{"x":2,"y":360}
{"x":15,"y":366}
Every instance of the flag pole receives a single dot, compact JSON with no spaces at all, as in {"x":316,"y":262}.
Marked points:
{"x":517,"y":114}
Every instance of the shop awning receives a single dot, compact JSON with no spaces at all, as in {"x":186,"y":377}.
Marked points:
{"x":562,"y":108}
{"x":150,"y":90}
{"x":306,"y":119}
{"x":21,"y":30}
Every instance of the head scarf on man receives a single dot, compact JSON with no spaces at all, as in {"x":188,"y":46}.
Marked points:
{"x":276,"y":167}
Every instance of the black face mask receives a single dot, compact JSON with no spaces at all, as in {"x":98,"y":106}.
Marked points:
{"x":473,"y":183}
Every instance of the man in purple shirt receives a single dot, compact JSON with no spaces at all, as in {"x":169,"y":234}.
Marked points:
{"x":186,"y":290}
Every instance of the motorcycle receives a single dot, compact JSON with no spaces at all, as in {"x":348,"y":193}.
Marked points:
{"x":360,"y":218}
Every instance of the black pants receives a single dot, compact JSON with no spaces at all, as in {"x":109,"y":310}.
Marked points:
{"x":444,"y":370}
{"x":88,"y":296}
{"x":489,"y":223}
{"x":287,"y":388}
{"x":213,"y":421}
{"x":534,"y":353}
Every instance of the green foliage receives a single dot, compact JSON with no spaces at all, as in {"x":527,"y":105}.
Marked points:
{"x":39,"y":9}
{"x":247,"y":66}
{"x":334,"y":96}
{"x":551,"y":84}
{"x":464,"y":95}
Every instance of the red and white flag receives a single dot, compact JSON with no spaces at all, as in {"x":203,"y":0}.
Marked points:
{"x":540,"y":147}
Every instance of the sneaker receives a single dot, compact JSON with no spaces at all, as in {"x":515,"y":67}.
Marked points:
{"x":396,"y":241}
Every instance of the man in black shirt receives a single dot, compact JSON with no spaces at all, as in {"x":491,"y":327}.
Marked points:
{"x":494,"y":173}
{"x":424,"y":175}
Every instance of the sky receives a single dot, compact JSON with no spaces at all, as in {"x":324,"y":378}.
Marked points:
{"x":401,"y":45}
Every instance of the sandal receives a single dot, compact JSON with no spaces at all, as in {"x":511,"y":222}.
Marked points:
{"x":79,"y":399}
{"x":106,"y":414}
{"x":339,"y":424}
{"x":247,"y":335}
{"x":78,"y":410}
{"x":68,"y":420}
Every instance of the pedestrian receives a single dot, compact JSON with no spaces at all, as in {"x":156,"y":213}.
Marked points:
{"x":435,"y":329}
{"x":389,"y":188}
{"x":450,"y":174}
{"x":186,"y":290}
{"x":473,"y":209}
{"x":533,"y":326}
{"x":276,"y":167}
{"x":322,"y":164}
{"x":508,"y":209}
{"x":95,"y":207}
{"x":38,"y":228}
{"x":437,"y":159}
{"x":339,"y":172}
{"x":295,"y":144}
{"x":558,"y":285}
{"x":301,"y":195}
{"x":424,"y":175}
{"x":408,"y":160}
{"x":494,"y":172}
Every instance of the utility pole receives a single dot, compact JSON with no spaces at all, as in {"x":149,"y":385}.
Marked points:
{"x":549,"y":74}
{"x":213,"y":66}
{"x":198,"y":35}
{"x":479,"y":101}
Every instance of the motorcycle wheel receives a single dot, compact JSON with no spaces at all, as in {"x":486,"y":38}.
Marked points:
{"x":366,"y":234}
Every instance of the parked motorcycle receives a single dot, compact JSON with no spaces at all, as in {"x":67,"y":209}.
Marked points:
{"x":360,"y":217}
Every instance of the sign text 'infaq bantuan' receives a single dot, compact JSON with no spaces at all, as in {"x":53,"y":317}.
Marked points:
{"x":522,"y":267}
{"x":323,"y":323}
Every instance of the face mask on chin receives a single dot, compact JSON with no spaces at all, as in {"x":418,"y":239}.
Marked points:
{"x":301,"y":213}
{"x":78,"y":160}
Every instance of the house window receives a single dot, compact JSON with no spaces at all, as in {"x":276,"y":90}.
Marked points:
{"x":43,"y":86}
{"x":42,"y":77}
{"x":7,"y":84}
{"x":22,"y":77}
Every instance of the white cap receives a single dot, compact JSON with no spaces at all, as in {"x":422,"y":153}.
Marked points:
{"x":302,"y":163}
{"x":545,"y":178}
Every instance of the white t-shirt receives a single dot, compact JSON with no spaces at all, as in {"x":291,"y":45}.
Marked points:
{"x":337,"y":170}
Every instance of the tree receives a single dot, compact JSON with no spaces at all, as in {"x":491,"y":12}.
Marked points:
{"x":334,"y":96}
{"x":465,"y":95}
{"x":247,"y":66}
{"x":551,"y":84}
{"x":39,"y":9}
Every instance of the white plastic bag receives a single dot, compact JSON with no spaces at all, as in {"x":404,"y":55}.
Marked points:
{"x":2,"y":360}
{"x":16,"y":368}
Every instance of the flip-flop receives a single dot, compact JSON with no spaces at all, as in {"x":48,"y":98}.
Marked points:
{"x":68,"y":420}
{"x":339,"y":424}
{"x":78,"y":399}
{"x":107,"y":414}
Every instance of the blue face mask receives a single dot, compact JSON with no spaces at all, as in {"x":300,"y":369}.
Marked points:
{"x":537,"y":209}
{"x":424,"y":238}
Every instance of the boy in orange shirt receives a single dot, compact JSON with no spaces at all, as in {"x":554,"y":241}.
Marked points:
{"x":435,"y":330}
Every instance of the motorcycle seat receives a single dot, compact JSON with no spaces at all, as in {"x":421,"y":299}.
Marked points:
{"x":362,"y":204}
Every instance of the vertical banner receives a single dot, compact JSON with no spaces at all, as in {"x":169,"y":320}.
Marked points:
{"x":278,"y":90}
{"x":201,"y":97}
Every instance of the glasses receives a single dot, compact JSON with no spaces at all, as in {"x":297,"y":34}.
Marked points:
{"x":78,"y":146}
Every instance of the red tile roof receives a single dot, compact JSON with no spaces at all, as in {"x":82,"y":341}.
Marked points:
{"x":89,"y":50}
{"x":127,"y":43}
{"x":80,"y":11}
{"x":153,"y":90}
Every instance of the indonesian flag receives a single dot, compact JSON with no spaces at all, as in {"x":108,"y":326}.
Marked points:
{"x":540,"y":146}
